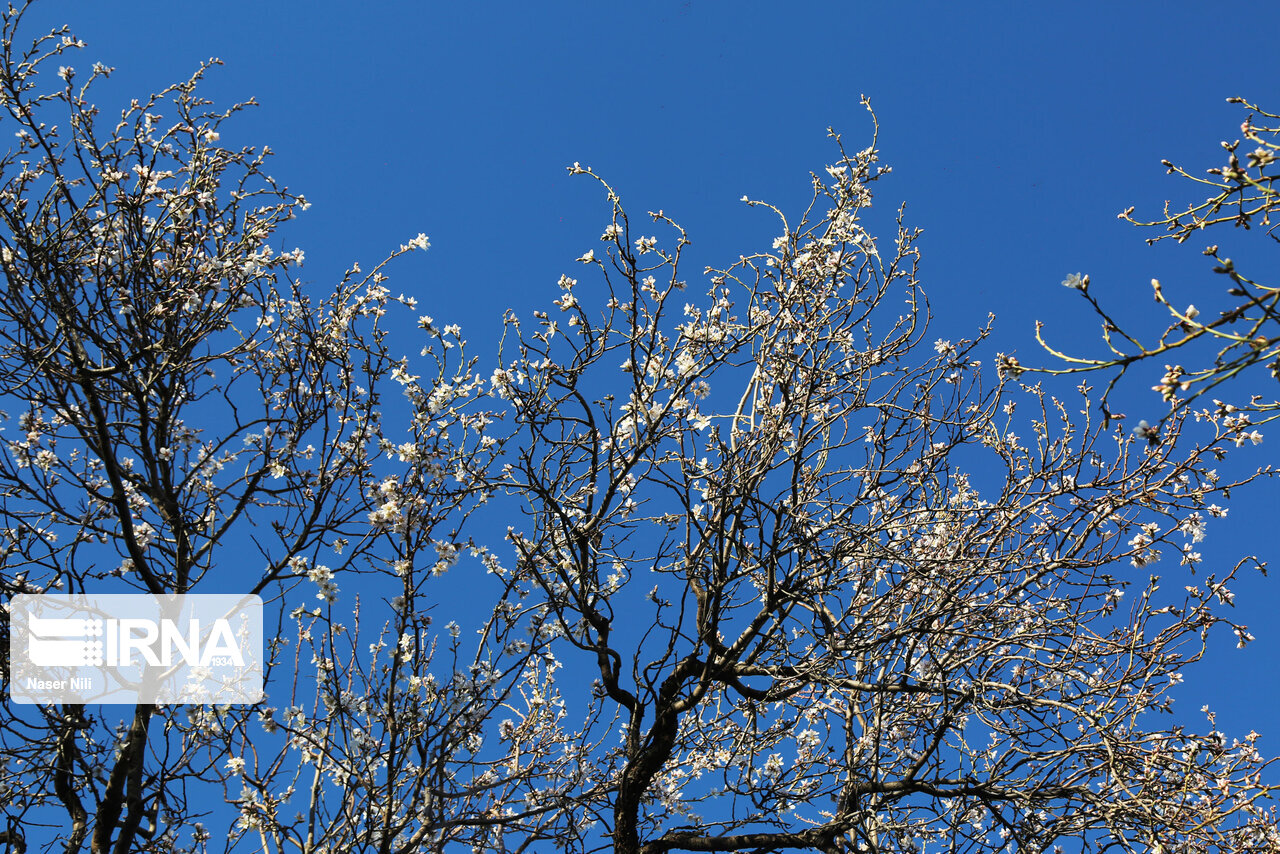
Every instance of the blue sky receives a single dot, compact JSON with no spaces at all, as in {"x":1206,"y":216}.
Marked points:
{"x":1017,"y":132}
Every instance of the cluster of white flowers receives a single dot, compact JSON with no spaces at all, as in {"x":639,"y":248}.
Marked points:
{"x":446,"y":556}
{"x":389,"y":514}
{"x":1144,"y":553}
{"x":505,"y":382}
{"x":322,"y":576}
{"x":1194,"y":526}
{"x":401,"y":375}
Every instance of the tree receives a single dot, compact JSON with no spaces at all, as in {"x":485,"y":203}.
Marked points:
{"x":787,"y":576}
{"x":875,"y":618}
{"x":1221,"y":346}
{"x":187,"y":406}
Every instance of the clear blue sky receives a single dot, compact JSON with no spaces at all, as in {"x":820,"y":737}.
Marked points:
{"x":1017,"y":132}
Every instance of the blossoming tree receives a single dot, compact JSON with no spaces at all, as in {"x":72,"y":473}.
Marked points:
{"x":189,"y":417}
{"x":784,"y":573}
{"x":831,"y":600}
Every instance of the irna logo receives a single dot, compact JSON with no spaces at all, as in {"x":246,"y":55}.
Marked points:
{"x":63,"y":642}
{"x":112,"y":648}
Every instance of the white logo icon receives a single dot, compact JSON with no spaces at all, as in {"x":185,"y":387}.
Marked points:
{"x":62,"y":642}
